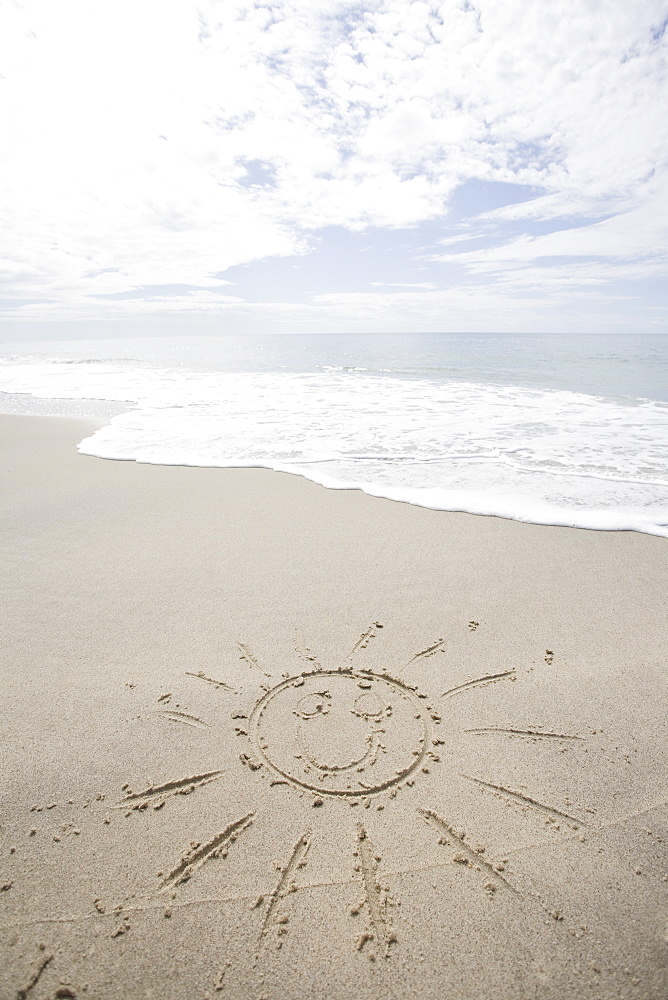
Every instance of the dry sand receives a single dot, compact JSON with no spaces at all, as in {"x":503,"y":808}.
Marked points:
{"x":266,"y":740}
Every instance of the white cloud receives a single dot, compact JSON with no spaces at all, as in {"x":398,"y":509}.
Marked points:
{"x":403,"y":284}
{"x":127,"y":129}
{"x":631,"y":245}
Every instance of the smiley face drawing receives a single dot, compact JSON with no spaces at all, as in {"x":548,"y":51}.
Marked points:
{"x":341,"y":733}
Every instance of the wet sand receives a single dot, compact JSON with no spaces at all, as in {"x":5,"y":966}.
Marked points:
{"x":266,"y":740}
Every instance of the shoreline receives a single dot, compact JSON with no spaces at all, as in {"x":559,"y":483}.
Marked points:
{"x":94,"y":422}
{"x":149,"y":610}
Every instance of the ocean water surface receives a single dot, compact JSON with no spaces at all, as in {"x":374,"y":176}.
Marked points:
{"x":553,"y":429}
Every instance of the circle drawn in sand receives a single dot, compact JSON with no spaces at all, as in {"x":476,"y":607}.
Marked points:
{"x":341,"y":733}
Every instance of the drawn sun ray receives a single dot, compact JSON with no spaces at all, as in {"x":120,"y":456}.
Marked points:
{"x":365,"y":638}
{"x":524,"y":800}
{"x":211,"y":680}
{"x":468,"y":854}
{"x":375,"y":897}
{"x":171,"y":715}
{"x":284,"y":886}
{"x":426,"y":652}
{"x":249,"y":657}
{"x":179,"y":786}
{"x":198,"y":855}
{"x":35,"y":977}
{"x":303,"y":651}
{"x":533,"y":733}
{"x":480,"y":682}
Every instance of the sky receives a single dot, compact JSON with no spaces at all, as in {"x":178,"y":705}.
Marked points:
{"x":328,"y":165}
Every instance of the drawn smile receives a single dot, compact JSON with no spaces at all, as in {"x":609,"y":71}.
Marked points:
{"x":373,"y":745}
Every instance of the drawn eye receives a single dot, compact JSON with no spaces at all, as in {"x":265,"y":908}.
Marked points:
{"x":368,"y":706}
{"x":313,"y":704}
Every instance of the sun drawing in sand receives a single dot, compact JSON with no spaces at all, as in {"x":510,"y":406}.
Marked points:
{"x":347,"y":738}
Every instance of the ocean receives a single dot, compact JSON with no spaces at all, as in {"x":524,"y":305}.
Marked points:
{"x":551,"y":429}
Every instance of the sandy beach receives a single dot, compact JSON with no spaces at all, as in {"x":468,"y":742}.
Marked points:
{"x":267,"y":741}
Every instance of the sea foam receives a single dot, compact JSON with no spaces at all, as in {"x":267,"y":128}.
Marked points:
{"x":542,"y":455}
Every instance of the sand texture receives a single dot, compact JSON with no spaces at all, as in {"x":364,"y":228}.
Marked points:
{"x":267,"y":741}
